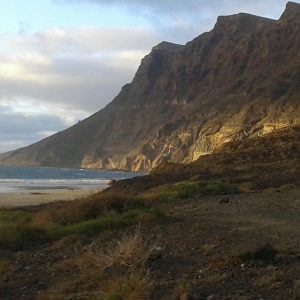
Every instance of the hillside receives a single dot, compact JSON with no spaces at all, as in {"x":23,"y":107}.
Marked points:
{"x":240,"y":80}
{"x":257,"y":163}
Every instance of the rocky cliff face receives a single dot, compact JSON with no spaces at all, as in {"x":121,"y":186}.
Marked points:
{"x":240,"y":80}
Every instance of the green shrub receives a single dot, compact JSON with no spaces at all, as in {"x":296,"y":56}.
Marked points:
{"x":15,"y":235}
{"x":109,"y":220}
{"x":14,"y":216}
{"x":18,"y":227}
{"x":87,"y":209}
{"x":189,"y":189}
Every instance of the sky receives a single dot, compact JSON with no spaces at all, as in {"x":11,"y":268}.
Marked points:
{"x":62,"y":60}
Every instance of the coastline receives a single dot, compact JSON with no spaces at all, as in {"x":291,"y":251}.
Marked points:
{"x":38,"y":197}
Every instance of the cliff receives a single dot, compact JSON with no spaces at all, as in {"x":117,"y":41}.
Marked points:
{"x":240,"y":80}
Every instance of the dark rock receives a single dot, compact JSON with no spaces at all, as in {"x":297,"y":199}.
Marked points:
{"x":224,"y":200}
{"x":112,"y":182}
{"x":264,"y":253}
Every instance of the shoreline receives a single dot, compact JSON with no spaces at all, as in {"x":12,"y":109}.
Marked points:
{"x":38,"y":197}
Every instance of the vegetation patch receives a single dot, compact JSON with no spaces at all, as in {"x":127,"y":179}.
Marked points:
{"x":16,"y":227}
{"x":88,"y":216}
{"x":189,"y":189}
{"x":109,"y":220}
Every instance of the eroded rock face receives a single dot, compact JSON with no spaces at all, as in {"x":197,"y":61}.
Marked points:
{"x":240,"y":80}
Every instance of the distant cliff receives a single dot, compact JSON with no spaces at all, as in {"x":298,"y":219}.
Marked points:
{"x":240,"y":80}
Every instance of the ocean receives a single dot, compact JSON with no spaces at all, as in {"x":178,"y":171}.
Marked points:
{"x":18,"y":179}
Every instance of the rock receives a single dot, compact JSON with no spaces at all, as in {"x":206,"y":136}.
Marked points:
{"x":264,"y":253}
{"x":213,"y":297}
{"x":112,"y":182}
{"x":224,"y":200}
{"x":296,"y":290}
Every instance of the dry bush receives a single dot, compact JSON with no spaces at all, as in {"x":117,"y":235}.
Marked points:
{"x":119,"y":271}
{"x":131,"y":253}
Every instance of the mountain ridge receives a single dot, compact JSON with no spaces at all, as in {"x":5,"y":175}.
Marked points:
{"x":239,"y":80}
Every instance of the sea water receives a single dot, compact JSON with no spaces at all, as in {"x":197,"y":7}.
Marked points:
{"x":17,"y":179}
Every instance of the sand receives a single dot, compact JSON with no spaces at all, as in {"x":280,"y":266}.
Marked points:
{"x":36,"y":197}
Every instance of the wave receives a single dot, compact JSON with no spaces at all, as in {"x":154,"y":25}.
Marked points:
{"x":17,"y":185}
{"x":15,"y":180}
{"x":19,"y":178}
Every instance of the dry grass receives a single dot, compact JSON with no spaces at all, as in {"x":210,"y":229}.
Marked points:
{"x":272,"y":278}
{"x":247,"y":187}
{"x":131,"y":252}
{"x":5,"y":267}
{"x":135,"y":286}
{"x":118,"y":271}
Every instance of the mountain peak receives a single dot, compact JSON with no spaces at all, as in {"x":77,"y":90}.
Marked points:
{"x":167,"y":46}
{"x":292,"y":10}
{"x":240,"y":22}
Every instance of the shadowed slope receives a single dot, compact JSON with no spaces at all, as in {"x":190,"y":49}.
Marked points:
{"x":263,"y":162}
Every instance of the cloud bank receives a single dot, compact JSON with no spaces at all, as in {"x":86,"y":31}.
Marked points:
{"x":63,"y":75}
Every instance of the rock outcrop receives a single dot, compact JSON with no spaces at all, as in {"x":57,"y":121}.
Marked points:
{"x":240,"y":80}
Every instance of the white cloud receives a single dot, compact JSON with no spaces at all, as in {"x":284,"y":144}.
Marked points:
{"x":64,"y":72}
{"x":80,"y":68}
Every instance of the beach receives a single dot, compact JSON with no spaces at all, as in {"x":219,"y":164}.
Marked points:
{"x":37,"y":197}
{"x":24,"y":186}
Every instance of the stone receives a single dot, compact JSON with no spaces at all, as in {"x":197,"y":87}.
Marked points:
{"x":213,"y":297}
{"x":224,"y":200}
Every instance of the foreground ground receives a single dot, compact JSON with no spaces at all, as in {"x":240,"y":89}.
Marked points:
{"x":223,"y":247}
{"x":223,"y":227}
